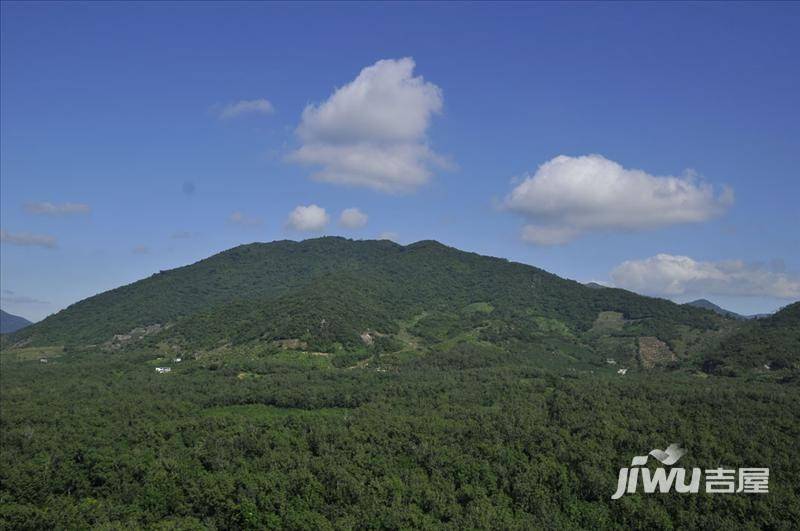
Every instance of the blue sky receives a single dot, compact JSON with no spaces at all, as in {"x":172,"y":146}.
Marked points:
{"x":653,"y":147}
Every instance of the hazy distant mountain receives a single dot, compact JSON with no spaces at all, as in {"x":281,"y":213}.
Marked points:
{"x":595,"y":285}
{"x":708,"y":305}
{"x":11,"y":323}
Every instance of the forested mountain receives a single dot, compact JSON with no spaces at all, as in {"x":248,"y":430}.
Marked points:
{"x":335,"y":296}
{"x":708,"y":305}
{"x":11,"y":323}
{"x":329,"y":292}
{"x":771,"y":342}
{"x":336,"y":384}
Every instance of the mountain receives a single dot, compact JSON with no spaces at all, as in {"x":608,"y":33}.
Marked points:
{"x":595,"y":285}
{"x":335,"y":295}
{"x":11,"y":323}
{"x":335,"y":384}
{"x":708,"y":305}
{"x":771,"y":342}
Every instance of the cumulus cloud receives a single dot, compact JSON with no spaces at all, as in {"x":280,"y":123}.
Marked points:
{"x":669,"y":275}
{"x":239,"y":218}
{"x":28,"y":239}
{"x":352,"y":218}
{"x":57,"y":209}
{"x":568,"y":196}
{"x":309,"y":218}
{"x":372,"y":131}
{"x":243,"y":107}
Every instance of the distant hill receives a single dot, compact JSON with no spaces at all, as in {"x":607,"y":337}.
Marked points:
{"x":331,"y":293}
{"x":11,"y":323}
{"x":772,"y":342}
{"x":595,"y":285}
{"x":708,"y":305}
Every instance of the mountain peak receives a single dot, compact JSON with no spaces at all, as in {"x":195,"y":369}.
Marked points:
{"x":708,"y":305}
{"x":595,"y":285}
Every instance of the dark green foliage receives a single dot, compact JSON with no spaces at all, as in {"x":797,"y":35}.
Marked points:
{"x":330,"y":290}
{"x":456,"y":439}
{"x":772,"y":341}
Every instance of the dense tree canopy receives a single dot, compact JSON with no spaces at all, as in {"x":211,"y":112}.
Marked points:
{"x":459,"y":438}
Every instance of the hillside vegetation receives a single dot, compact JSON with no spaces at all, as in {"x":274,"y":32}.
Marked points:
{"x":336,"y":384}
{"x":771,"y":342}
{"x":329,"y":292}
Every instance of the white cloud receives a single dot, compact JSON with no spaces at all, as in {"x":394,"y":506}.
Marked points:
{"x":568,"y":196}
{"x":56,"y":209}
{"x":670,"y":275}
{"x":372,"y":131}
{"x":309,"y":218}
{"x":28,"y":239}
{"x":242,"y":107}
{"x":352,"y":218}
{"x":239,"y":218}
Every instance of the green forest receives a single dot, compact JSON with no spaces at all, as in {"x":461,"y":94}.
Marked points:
{"x":333,"y":384}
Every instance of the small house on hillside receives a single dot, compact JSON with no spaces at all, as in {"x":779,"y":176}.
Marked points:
{"x":162,"y":370}
{"x":622,"y":372}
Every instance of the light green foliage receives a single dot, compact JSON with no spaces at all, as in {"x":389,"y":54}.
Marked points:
{"x":478,"y":307}
{"x":607,"y":322}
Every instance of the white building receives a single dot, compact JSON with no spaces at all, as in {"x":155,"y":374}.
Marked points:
{"x":162,"y":370}
{"x":622,"y":372}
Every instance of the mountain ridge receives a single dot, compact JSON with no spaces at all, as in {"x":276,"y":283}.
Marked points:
{"x":10,"y":323}
{"x":259,"y":271}
{"x":708,"y":305}
{"x":330,"y":293}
